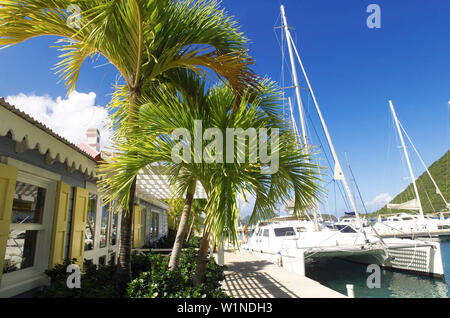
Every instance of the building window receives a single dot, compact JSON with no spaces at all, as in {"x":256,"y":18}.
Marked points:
{"x":155,"y":225}
{"x":28,"y":206}
{"x":104,"y":226}
{"x":26,"y":225}
{"x":114,"y":222}
{"x":90,"y":223}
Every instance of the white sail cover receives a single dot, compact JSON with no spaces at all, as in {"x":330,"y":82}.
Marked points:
{"x":409,"y":205}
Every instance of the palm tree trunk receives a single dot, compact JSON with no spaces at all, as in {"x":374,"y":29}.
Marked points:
{"x":179,"y":239}
{"x":124,"y":263}
{"x":190,"y":229}
{"x":202,"y":259}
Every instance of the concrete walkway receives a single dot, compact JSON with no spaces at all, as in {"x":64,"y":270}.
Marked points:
{"x":250,"y":276}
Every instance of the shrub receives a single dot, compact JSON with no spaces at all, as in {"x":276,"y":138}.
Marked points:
{"x":163,"y":242}
{"x":194,"y":242}
{"x":150,"y":274}
{"x":142,"y":263}
{"x":96,"y":282}
{"x":159,"y":282}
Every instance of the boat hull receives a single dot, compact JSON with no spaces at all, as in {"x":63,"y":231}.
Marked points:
{"x":423,"y":259}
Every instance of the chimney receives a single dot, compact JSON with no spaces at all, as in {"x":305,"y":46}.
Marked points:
{"x":93,"y":138}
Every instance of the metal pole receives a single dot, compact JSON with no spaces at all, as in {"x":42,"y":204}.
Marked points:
{"x":407,"y":157}
{"x":221,"y":253}
{"x":350,"y":291}
{"x":299,"y":100}
{"x":294,"y":75}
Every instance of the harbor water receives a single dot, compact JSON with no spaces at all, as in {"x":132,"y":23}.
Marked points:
{"x":336,"y":274}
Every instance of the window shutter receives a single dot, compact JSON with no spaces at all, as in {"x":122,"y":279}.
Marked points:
{"x":59,"y":224}
{"x":78,"y":227}
{"x":137,"y":226}
{"x":8,"y":176}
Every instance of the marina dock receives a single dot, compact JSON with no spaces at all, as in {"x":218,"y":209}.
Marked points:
{"x":248,"y":275}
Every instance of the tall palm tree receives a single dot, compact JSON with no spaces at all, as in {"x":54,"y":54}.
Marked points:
{"x":294,"y":174}
{"x":184,"y":96}
{"x":168,"y":109}
{"x":143,"y":39}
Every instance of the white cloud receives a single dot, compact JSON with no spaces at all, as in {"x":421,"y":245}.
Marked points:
{"x":69,"y":117}
{"x":378,"y":202}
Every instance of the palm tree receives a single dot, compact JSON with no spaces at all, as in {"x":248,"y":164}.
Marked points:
{"x":195,"y":220}
{"x":168,"y":109}
{"x":295,"y":173}
{"x":143,"y":39}
{"x":188,"y":92}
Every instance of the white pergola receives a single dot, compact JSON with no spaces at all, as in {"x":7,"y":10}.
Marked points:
{"x":153,"y":183}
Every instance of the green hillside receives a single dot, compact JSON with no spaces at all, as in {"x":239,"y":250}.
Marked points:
{"x":431,"y":201}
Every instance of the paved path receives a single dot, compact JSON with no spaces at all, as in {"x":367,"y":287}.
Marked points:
{"x":250,"y":276}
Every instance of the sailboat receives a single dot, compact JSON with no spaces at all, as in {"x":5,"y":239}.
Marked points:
{"x":409,"y":224}
{"x":289,"y":241}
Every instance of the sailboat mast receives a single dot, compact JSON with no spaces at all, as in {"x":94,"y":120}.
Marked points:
{"x":299,"y":100}
{"x":407,"y":157}
{"x":338,"y":172}
{"x":294,"y":124}
{"x":294,"y":75}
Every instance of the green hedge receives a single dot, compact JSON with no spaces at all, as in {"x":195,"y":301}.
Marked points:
{"x":96,"y":282}
{"x":150,"y":274}
{"x":157,"y":281}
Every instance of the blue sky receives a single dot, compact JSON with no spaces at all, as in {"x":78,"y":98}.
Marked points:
{"x":354,"y":71}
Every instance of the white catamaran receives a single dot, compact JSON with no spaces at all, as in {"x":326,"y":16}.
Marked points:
{"x":406,"y":224}
{"x":289,"y":241}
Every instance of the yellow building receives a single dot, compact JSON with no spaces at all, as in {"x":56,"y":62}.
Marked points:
{"x":49,"y":206}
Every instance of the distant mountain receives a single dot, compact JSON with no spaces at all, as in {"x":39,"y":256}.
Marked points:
{"x":431,"y":201}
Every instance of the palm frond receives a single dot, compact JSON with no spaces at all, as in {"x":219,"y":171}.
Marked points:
{"x":169,"y":107}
